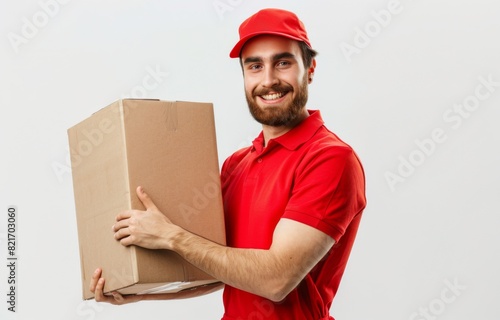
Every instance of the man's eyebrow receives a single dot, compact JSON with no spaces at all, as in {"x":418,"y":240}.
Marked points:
{"x":283,"y":55}
{"x":276,"y":57}
{"x":252,"y":60}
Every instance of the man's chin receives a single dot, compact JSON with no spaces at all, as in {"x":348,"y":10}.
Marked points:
{"x":273,"y":107}
{"x":275,"y":119}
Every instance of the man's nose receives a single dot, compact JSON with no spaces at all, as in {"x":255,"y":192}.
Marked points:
{"x":269,"y":78}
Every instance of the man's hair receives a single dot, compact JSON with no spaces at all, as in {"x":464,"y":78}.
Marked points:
{"x":308,"y":54}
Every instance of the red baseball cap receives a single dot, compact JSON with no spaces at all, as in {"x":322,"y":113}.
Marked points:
{"x":270,"y":21}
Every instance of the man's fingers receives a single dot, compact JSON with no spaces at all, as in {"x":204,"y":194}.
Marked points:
{"x":118,"y":297}
{"x":97,"y":287}
{"x":121,"y":233}
{"x":123,"y":215}
{"x":125,"y":238}
{"x":120,"y":224}
{"x":95,"y":279}
{"x":99,"y":294}
{"x":101,"y":297}
{"x":145,"y":199}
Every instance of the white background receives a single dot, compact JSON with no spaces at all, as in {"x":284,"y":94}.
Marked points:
{"x":434,"y":228}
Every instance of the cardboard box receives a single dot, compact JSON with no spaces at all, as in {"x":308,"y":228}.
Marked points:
{"x":170,"y":149}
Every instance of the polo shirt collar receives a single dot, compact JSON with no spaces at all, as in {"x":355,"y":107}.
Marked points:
{"x":295,"y":137}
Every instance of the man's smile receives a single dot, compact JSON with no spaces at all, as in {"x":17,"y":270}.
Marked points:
{"x":273,"y":97}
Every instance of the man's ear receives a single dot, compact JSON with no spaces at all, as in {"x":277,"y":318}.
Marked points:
{"x":310,"y":71}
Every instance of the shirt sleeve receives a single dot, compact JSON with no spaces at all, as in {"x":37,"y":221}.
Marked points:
{"x":329,"y":190}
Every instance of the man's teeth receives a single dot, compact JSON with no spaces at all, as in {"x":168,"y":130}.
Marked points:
{"x":273,"y":96}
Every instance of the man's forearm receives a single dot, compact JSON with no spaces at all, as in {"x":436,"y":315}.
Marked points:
{"x":258,"y":271}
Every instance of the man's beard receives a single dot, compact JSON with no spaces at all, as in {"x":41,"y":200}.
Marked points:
{"x":279,"y":116}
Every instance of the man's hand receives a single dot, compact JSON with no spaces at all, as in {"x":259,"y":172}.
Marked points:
{"x":149,"y":229}
{"x":97,"y":288}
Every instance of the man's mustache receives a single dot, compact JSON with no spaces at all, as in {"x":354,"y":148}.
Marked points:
{"x":273,"y":89}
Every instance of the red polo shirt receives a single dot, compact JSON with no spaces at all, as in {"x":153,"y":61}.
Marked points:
{"x":308,"y":175}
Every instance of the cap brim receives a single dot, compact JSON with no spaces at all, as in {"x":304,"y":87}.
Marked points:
{"x":235,"y":52}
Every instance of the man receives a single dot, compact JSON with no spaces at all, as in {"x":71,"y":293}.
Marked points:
{"x":293,"y":200}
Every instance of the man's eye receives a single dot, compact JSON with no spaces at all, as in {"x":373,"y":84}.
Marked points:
{"x":255,"y":67}
{"x":283,"y":64}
